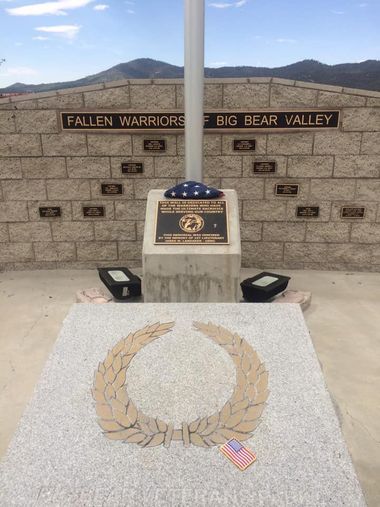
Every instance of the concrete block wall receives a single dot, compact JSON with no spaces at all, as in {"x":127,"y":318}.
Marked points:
{"x":41,"y":166}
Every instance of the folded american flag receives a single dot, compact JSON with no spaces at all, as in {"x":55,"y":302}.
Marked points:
{"x":241,"y":456}
{"x":193,"y":190}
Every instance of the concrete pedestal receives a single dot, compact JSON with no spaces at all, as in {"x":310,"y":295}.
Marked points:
{"x":191,"y":273}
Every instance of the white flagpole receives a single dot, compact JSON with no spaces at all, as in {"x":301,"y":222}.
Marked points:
{"x":194,"y":76}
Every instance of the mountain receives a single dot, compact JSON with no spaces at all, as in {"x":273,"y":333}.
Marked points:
{"x":364,"y":75}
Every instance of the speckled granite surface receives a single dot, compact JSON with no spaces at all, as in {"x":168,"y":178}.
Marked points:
{"x":59,"y":456}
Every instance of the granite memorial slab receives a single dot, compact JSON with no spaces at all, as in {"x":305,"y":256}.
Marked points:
{"x":60,"y":456}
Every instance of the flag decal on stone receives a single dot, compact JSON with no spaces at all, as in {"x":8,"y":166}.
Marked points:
{"x":241,"y":456}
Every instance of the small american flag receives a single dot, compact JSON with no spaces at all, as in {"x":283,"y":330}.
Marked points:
{"x":241,"y":456}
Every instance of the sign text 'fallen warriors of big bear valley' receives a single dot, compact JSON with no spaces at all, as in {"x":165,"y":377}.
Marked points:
{"x":213,"y":121}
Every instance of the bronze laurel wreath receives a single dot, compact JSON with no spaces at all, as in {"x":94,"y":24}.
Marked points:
{"x":239,"y":417}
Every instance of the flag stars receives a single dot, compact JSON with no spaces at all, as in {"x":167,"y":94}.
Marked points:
{"x":208,"y":191}
{"x":173,"y":194}
{"x":184,"y":194}
{"x":196,"y":193}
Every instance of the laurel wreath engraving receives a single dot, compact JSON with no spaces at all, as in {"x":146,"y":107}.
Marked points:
{"x":121,"y":420}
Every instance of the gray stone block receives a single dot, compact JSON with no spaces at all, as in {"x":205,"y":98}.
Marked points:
{"x":153,"y":96}
{"x":269,"y":251}
{"x":332,"y":189}
{"x":370,"y":211}
{"x":10,"y":168}
{"x":143,"y":186}
{"x":13,"y":252}
{"x":24,"y":190}
{"x":311,"y":252}
{"x":109,"y":144}
{"x":7,"y":122}
{"x":328,"y":99}
{"x":17,"y":211}
{"x":329,"y":233}
{"x":27,"y":232}
{"x":228,"y":143}
{"x":347,"y":254}
{"x":290,"y":144}
{"x":66,"y":190}
{"x":222,"y":166}
{"x":169,"y":167}
{"x":212,"y":144}
{"x":148,"y":171}
{"x":371,"y":143}
{"x":291,"y":96}
{"x":71,"y":100}
{"x":108,"y":98}
{"x":337,"y":143}
{"x":365,"y":233}
{"x":58,"y":251}
{"x":109,"y":210}
{"x":115,"y":231}
{"x":246,"y":188}
{"x":64,"y":144}
{"x":213,"y":96}
{"x":300,"y":166}
{"x":357,"y":166}
{"x":269,"y":211}
{"x":251,"y":231}
{"x":129,"y":250}
{"x":43,"y":167}
{"x":246,"y":95}
{"x":36,"y":121}
{"x":277,"y":231}
{"x":34,"y":215}
{"x":130,"y":210}
{"x":368,"y":190}
{"x":96,"y":250}
{"x":88,"y":167}
{"x":72,"y":231}
{"x":20,"y":145}
{"x":4,"y":236}
{"x":361,"y":119}
{"x":280,"y":161}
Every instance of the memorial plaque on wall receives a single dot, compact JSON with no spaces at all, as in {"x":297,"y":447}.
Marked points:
{"x":219,"y":120}
{"x":154,"y":144}
{"x":112,"y":188}
{"x":286,"y":189}
{"x":50,"y":211}
{"x":132,"y":167}
{"x":352,"y":212}
{"x":196,"y":222}
{"x":244,"y":145}
{"x":307,"y":211}
{"x":264,"y":167}
{"x":93,"y":211}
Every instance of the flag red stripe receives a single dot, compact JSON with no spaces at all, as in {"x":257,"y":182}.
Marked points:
{"x":234,"y":457}
{"x":239,"y":456}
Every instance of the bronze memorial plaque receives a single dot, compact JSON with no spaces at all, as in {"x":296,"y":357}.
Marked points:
{"x":307,"y":211}
{"x":132,"y":167}
{"x":290,"y":189}
{"x":264,"y":167}
{"x":112,"y":188}
{"x":154,"y":145}
{"x":216,"y":120}
{"x":352,"y":212}
{"x":93,"y":211}
{"x":196,"y":222}
{"x":50,"y":211}
{"x":244,"y":145}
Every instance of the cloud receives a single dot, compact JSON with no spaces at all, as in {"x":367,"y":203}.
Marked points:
{"x":337,"y":12}
{"x":130,"y":11}
{"x":40,"y":37}
{"x":286,"y":41}
{"x":227,"y":5}
{"x":67,"y":31}
{"x":20,"y":71}
{"x":101,"y":7}
{"x":57,"y":8}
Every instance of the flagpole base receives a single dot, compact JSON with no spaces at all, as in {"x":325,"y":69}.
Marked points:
{"x":186,"y":273}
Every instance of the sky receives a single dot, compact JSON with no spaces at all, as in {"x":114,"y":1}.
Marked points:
{"x":61,"y":40}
